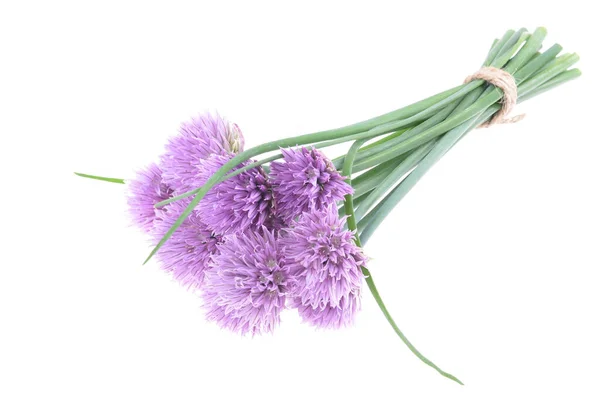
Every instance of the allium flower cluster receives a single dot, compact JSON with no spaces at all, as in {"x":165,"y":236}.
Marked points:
{"x":145,"y":190}
{"x":306,"y":181}
{"x":257,"y":243}
{"x":246,"y":286}
{"x":187,"y":253}
{"x":237,"y":204}
{"x":326,"y":265}
{"x":198,"y":139}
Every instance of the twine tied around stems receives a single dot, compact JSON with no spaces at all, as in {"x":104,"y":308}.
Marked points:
{"x":505,"y":82}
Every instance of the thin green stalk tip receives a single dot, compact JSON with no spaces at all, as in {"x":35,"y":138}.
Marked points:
{"x":351,"y":222}
{"x":388,"y":316}
{"x":107,"y":179}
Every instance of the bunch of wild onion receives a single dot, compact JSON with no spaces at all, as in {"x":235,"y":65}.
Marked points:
{"x":259,"y":236}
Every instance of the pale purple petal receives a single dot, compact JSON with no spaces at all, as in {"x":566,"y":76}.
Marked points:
{"x":330,"y":316}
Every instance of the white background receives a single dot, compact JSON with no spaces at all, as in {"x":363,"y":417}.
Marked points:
{"x":490,"y":265}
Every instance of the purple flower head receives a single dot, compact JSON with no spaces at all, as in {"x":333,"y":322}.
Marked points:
{"x":197,"y":140}
{"x":143,"y":192}
{"x":330,"y":316}
{"x":240,"y":203}
{"x":246,"y":286}
{"x":306,"y":181}
{"x":186,"y":254}
{"x":325,"y":265}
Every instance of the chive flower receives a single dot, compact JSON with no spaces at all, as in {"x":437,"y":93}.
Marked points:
{"x":242,"y":202}
{"x":145,"y":190}
{"x":305,"y":181}
{"x":325,"y":265}
{"x":246,"y":285}
{"x":188,"y":252}
{"x":197,"y":140}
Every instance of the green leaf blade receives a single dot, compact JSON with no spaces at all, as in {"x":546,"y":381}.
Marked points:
{"x":106,"y":179}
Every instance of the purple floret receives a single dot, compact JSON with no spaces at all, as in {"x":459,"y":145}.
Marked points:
{"x":244,"y":202}
{"x":186,"y":254}
{"x":143,"y":192}
{"x":245,"y":288}
{"x":197,"y":140}
{"x":324,"y":266}
{"x":305,"y":181}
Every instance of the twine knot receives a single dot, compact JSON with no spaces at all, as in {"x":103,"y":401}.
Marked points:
{"x":505,"y":82}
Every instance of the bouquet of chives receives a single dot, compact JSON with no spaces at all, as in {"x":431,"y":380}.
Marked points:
{"x":281,"y":226}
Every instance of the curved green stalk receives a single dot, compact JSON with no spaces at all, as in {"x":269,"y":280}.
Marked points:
{"x":351,"y":221}
{"x":388,"y":316}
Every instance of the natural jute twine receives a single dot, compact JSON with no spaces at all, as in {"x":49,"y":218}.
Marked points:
{"x":505,"y":82}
